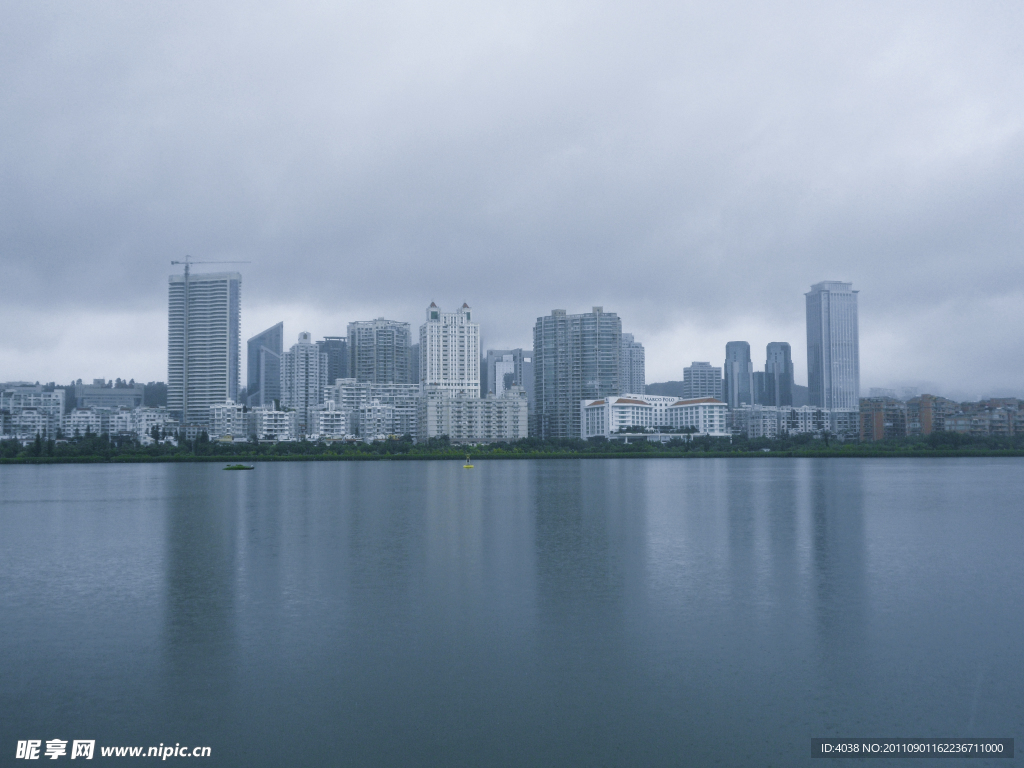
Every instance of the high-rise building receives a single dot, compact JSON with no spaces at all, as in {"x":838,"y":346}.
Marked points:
{"x":304,"y":378}
{"x":504,"y":368}
{"x":450,"y":351}
{"x":739,"y":375}
{"x":203,"y":342}
{"x":778,"y":375}
{"x":378,"y":351}
{"x":336,"y":349}
{"x":632,"y":373}
{"x":702,"y":380}
{"x":263,"y":366}
{"x":833,"y":349}
{"x":414,"y":363}
{"x":575,"y":357}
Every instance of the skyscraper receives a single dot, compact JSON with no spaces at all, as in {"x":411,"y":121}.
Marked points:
{"x":378,"y":351}
{"x":504,"y":368}
{"x":632,"y":373}
{"x":778,"y":374}
{"x":304,"y":377}
{"x":833,"y":349}
{"x":450,"y":351}
{"x":575,"y":357}
{"x":702,"y":380}
{"x":336,"y":349}
{"x":739,"y":375}
{"x":263,"y":366}
{"x":203,"y":343}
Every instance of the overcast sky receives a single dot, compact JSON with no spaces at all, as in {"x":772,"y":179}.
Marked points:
{"x":693,"y":167}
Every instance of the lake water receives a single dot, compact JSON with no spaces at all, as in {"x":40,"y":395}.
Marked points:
{"x":541,"y":613}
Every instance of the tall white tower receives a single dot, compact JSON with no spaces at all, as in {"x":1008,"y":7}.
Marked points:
{"x":303,"y":379}
{"x":203,"y":343}
{"x":450,"y":351}
{"x":833,"y":348}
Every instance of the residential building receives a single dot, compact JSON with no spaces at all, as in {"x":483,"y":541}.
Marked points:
{"x":263,"y":366}
{"x":378,"y":351}
{"x":329,"y":422}
{"x":778,"y":421}
{"x":30,"y":411}
{"x":470,"y":419}
{"x":927,"y":414}
{"x":702,"y":380}
{"x":350,"y":396}
{"x":231,"y":420}
{"x":336,"y":350}
{"x":882,"y":418}
{"x":304,"y":379}
{"x":833,"y":347}
{"x":204,"y":342}
{"x":738,"y":387}
{"x":450,"y":351}
{"x":576,"y":357}
{"x":632,"y":367}
{"x":272,"y":424}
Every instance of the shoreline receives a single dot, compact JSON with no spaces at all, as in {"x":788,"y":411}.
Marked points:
{"x":460,"y":455}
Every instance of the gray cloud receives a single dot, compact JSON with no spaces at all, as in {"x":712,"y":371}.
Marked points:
{"x":693,"y":167}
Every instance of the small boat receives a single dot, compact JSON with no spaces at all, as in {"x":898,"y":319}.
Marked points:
{"x":240,"y":466}
{"x":467,"y":465}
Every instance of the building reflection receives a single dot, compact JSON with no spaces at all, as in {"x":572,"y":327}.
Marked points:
{"x":200,"y":512}
{"x":836,"y":495}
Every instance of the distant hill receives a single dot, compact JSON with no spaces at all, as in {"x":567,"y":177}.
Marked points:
{"x":666,"y":389}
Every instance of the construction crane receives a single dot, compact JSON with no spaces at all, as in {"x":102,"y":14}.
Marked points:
{"x":184,"y":379}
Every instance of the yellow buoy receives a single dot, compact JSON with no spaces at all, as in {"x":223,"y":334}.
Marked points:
{"x":467,"y":465}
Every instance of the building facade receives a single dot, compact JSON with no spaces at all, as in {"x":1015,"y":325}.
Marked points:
{"x":470,"y":419}
{"x":778,"y":375}
{"x":203,"y":343}
{"x":263,"y":366}
{"x":632,"y":366}
{"x":702,"y":380}
{"x":30,"y":411}
{"x":738,"y":387}
{"x":575,"y":357}
{"x":608,"y":416}
{"x":336,"y":350}
{"x":304,"y":379}
{"x":351,"y":397}
{"x":450,"y":352}
{"x":378,"y":351}
{"x":833,"y":347}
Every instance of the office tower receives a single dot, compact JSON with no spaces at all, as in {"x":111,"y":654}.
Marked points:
{"x":450,"y":351}
{"x":702,"y":380}
{"x":778,"y":375}
{"x":303,"y":379}
{"x":263,"y":366}
{"x":336,"y":349}
{"x":203,"y":342}
{"x":575,"y":357}
{"x":632,"y":373}
{"x":833,"y":350}
{"x":760,"y":389}
{"x":378,"y":351}
{"x":739,"y":375}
